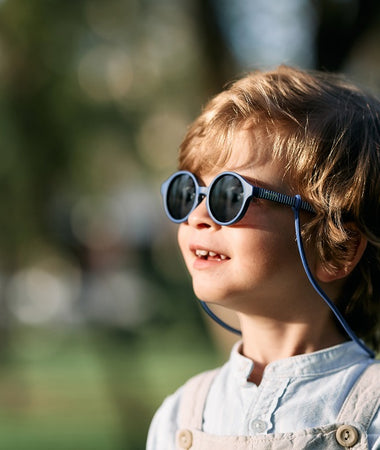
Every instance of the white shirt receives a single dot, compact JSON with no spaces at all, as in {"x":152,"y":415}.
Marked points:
{"x":295,"y":393}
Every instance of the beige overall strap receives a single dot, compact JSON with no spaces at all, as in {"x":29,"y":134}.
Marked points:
{"x":193,"y":400}
{"x":363,"y":401}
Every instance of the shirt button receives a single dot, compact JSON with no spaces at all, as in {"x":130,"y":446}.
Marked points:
{"x":347,"y":436}
{"x":185,"y":439}
{"x":258,"y":426}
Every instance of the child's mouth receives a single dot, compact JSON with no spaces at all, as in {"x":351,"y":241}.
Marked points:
{"x":210,"y":255}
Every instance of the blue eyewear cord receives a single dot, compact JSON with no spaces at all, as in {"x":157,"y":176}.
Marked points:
{"x":297,"y":205}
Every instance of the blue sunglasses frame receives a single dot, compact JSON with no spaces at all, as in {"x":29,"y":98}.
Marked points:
{"x":250,"y":191}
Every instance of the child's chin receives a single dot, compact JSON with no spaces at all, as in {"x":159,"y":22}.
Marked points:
{"x":212,"y":296}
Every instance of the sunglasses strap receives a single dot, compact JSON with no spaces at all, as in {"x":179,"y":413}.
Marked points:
{"x":317,"y":288}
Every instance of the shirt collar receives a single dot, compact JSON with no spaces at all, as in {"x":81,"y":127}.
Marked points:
{"x":306,"y":365}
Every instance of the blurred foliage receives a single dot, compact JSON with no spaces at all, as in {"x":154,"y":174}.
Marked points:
{"x":97,"y":318}
{"x":91,"y":390}
{"x":77,"y":77}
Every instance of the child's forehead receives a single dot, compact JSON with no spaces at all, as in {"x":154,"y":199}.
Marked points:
{"x":248,"y":149}
{"x":244,"y":151}
{"x":247,"y":155}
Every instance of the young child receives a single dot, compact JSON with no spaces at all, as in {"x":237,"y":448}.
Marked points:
{"x":289,"y":239}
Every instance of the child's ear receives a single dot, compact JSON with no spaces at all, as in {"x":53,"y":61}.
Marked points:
{"x":355,"y":249}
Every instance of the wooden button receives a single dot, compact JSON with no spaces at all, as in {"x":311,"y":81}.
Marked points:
{"x":185,"y":439}
{"x":347,"y":435}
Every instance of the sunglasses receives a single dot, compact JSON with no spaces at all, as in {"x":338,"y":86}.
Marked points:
{"x":227,"y":197}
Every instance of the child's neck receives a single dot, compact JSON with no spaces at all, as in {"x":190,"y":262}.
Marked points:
{"x":265,"y":341}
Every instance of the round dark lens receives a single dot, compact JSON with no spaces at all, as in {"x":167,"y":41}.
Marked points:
{"x":226,"y":198}
{"x":181,"y":196}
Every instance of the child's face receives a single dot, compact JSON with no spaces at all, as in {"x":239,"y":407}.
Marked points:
{"x":252,"y":266}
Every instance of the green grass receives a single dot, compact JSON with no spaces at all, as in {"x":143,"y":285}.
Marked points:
{"x":91,"y":389}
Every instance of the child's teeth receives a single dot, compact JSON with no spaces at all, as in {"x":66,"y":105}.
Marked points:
{"x":201,"y":253}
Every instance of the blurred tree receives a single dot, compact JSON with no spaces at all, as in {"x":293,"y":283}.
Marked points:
{"x":332,"y":27}
{"x":37,"y":115}
{"x":219,"y":61}
{"x":340,"y":25}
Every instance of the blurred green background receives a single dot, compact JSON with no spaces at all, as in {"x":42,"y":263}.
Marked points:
{"x":97,"y":319}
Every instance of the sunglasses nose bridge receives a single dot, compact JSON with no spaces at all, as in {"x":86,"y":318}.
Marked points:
{"x":202,"y":192}
{"x":200,"y":216}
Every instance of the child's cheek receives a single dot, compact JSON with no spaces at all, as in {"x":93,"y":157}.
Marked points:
{"x":183,"y":242}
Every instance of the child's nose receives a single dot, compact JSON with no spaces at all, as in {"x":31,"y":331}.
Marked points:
{"x":199,"y":217}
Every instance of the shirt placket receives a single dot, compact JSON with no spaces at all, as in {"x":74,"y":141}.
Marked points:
{"x":259,"y":419}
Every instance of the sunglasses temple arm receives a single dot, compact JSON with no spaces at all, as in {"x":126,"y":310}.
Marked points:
{"x":282,"y":198}
{"x":318,"y":289}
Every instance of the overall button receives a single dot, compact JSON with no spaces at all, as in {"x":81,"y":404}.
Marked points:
{"x":185,"y":439}
{"x":347,"y":435}
{"x":258,"y":426}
